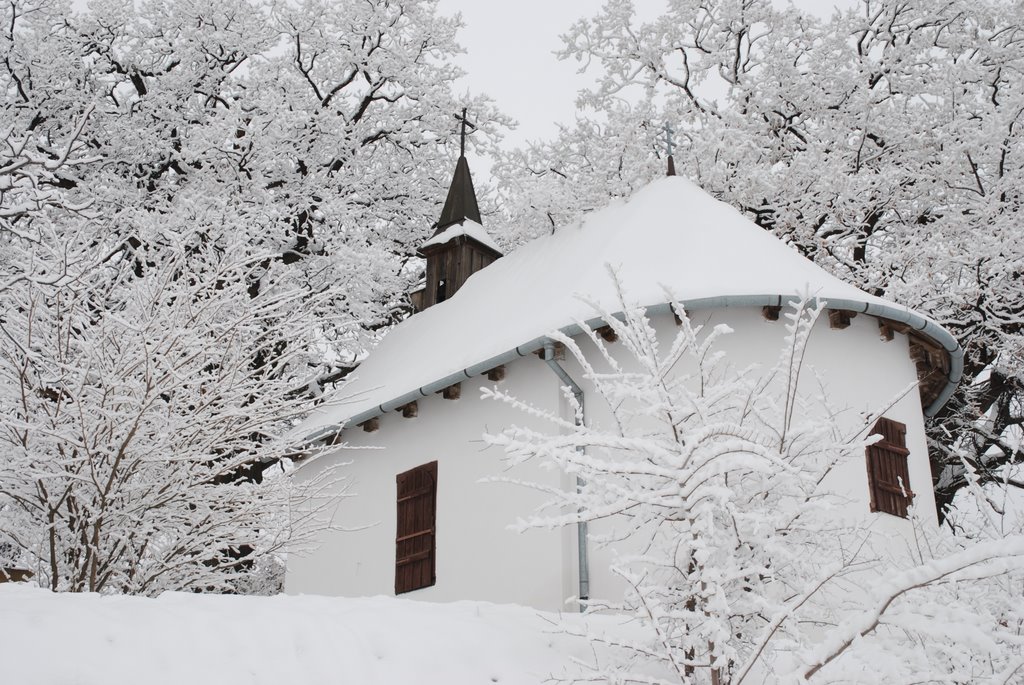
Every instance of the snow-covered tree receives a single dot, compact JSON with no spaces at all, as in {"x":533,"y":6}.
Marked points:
{"x":884,"y":143}
{"x":208,"y":210}
{"x":717,"y":479}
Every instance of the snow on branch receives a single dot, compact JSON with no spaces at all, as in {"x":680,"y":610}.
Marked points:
{"x":712,"y":486}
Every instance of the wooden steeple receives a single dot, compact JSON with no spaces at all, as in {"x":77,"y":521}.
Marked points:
{"x":461,"y":201}
{"x":459,"y":246}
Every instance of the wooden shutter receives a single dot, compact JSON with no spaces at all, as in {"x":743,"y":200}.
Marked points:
{"x":888,"y":475}
{"x":415,"y":539}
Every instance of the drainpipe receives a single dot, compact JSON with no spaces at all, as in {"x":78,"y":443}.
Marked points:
{"x":581,"y":527}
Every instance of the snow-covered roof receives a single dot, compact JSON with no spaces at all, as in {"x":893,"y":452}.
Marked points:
{"x":467,"y":227}
{"x":669,"y":236}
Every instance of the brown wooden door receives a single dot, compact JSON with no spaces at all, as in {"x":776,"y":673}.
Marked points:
{"x":415,"y":541}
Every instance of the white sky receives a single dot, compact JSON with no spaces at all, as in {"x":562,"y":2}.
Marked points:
{"x":510,"y":46}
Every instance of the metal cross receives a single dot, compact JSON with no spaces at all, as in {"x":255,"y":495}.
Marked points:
{"x":668,"y":138}
{"x":462,"y":140}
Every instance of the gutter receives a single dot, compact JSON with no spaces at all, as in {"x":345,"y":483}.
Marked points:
{"x":430,"y":388}
{"x":927,"y":328}
{"x":581,"y":526}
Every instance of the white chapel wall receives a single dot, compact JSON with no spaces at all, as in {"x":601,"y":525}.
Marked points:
{"x":478,"y":556}
{"x":862,"y":375}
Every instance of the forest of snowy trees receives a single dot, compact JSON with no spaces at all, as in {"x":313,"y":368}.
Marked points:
{"x":209,"y":210}
{"x":209,"y":213}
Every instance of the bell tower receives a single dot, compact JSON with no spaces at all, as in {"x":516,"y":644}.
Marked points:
{"x":459,"y":246}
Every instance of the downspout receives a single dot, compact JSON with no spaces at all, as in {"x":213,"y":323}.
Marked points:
{"x":581,"y":527}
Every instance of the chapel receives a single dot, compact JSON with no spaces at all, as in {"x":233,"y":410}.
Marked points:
{"x":425,"y":517}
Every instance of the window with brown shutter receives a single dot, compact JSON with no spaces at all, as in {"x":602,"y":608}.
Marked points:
{"x":415,"y":538}
{"x":888,"y":475}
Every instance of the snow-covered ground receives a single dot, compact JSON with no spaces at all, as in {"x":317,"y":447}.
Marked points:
{"x":188,"y":639}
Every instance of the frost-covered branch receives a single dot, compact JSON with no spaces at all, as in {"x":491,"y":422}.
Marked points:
{"x":714,"y":486}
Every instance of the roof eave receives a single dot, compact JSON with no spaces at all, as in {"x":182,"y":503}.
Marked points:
{"x":923,"y":326}
{"x":428,"y":250}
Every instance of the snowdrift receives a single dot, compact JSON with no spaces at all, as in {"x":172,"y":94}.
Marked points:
{"x":188,"y":639}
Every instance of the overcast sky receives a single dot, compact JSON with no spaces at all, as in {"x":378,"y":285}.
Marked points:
{"x":510,"y":46}
{"x":510,"y":49}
